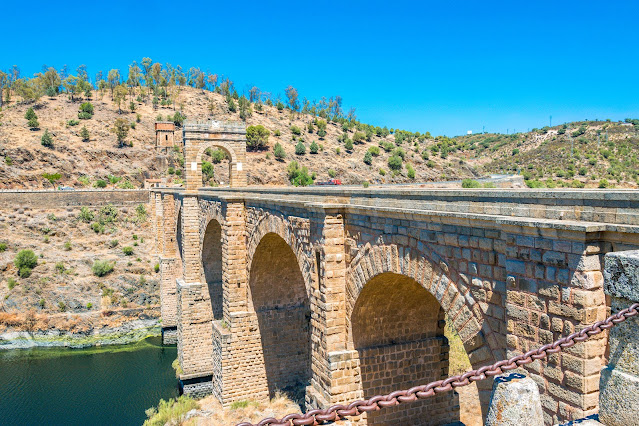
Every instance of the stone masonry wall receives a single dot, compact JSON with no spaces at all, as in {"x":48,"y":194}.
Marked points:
{"x":10,"y":200}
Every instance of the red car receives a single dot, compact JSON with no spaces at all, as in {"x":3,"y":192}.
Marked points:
{"x":330,"y":182}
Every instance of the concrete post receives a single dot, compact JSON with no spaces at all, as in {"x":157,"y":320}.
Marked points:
{"x":619,"y":384}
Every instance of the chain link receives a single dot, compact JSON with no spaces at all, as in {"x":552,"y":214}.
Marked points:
{"x":356,"y":408}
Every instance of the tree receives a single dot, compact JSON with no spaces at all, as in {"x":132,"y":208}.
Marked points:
{"x":113,"y":80}
{"x":52,"y":81}
{"x":121,"y":130}
{"x":119,"y":95}
{"x":71,"y":85}
{"x":256,"y":137}
{"x":395,"y":162}
{"x":368,"y":158}
{"x":3,"y":82}
{"x":298,"y":176}
{"x":46,"y":139}
{"x":84,"y":134}
{"x":279,"y":152}
{"x":300,"y":148}
{"x":32,"y":118}
{"x":25,"y":261}
{"x":292,"y":97}
{"x":52,"y":177}
{"x":178,"y":118}
{"x":245,"y":108}
{"x":348,"y":144}
{"x":314,"y":149}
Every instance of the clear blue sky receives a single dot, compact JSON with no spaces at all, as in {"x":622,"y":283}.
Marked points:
{"x":444,"y":67}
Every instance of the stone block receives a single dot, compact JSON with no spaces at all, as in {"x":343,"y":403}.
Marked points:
{"x":515,"y":401}
{"x":619,"y":399}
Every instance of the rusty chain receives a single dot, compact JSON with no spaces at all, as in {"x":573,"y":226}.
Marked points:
{"x":356,"y":408}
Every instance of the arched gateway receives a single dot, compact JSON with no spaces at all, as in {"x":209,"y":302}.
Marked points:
{"x":228,"y":136}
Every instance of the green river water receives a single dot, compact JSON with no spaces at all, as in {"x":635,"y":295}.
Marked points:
{"x":110,"y":385}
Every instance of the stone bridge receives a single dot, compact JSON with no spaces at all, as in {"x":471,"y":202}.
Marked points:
{"x":334,"y":294}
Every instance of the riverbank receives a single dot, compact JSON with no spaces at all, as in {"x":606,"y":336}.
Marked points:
{"x":78,"y":330}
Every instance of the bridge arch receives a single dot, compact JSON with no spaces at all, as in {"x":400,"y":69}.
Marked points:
{"x":278,"y":297}
{"x":398,"y":302}
{"x":269,"y":223}
{"x":211,"y":271}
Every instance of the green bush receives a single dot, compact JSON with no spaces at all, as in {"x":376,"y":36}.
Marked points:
{"x":314,"y":148}
{"x":296,"y":130}
{"x":84,"y":134}
{"x":85,"y":215}
{"x":156,"y":268}
{"x":59,"y":266}
{"x":321,"y":133}
{"x":85,"y":111}
{"x":368,"y":158}
{"x":410,"y":171}
{"x":300,"y":148}
{"x":470,"y":183}
{"x":97,"y":227}
{"x":73,"y":122}
{"x":374,"y":150}
{"x":603,"y":183}
{"x":3,"y":247}
{"x":382,"y":172}
{"x":67,"y":246}
{"x":127,"y":250}
{"x":395,"y":162}
{"x":100,"y":183}
{"x":278,"y":151}
{"x":348,"y":144}
{"x":101,"y":268}
{"x":172,"y":411}
{"x":113,"y":243}
{"x":47,"y":140}
{"x":277,"y":133}
{"x":11,"y":283}
{"x":298,"y":176}
{"x":535,"y":183}
{"x":359,"y":137}
{"x":25,"y":261}
{"x":332,"y":173}
{"x":256,"y":137}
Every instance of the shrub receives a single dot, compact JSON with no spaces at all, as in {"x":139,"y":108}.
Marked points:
{"x":535,"y":183}
{"x":348,"y":144}
{"x":470,"y":183}
{"x":387,"y":146}
{"x":382,"y":172}
{"x":278,"y":151}
{"x":321,"y":133}
{"x":59,"y":266}
{"x":400,"y":153}
{"x":430,"y":164}
{"x":332,"y":173}
{"x":374,"y":150}
{"x":3,"y":247}
{"x":156,"y":268}
{"x":85,"y":111}
{"x":603,"y":183}
{"x":67,"y":246}
{"x":296,"y":130}
{"x":84,"y":134}
{"x":515,"y":151}
{"x":172,"y":411}
{"x":277,"y":133}
{"x":127,"y":250}
{"x":101,"y":268}
{"x":300,"y":148}
{"x":113,"y":243}
{"x":89,"y":305}
{"x":365,"y":184}
{"x":97,"y":227}
{"x":11,"y":283}
{"x":395,"y":162}
{"x":46,"y":139}
{"x":425,"y":155}
{"x":359,"y":137}
{"x":368,"y":158}
{"x":25,"y":261}
{"x":583,"y":171}
{"x":256,"y":137}
{"x":298,"y":176}
{"x":411,"y":171}
{"x":30,"y":114}
{"x":85,"y":215}
{"x":100,"y":183}
{"x":314,"y":148}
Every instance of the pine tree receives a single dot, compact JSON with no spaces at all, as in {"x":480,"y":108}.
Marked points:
{"x":84,"y":133}
{"x":46,"y":139}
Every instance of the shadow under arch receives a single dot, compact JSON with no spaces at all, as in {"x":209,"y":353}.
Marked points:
{"x":278,"y":297}
{"x":212,"y":266}
{"x":397,"y":329}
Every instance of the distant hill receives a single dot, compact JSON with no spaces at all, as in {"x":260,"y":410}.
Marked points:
{"x":590,"y":154}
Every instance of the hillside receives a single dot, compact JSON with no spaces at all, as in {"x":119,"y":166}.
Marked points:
{"x":542,"y":156}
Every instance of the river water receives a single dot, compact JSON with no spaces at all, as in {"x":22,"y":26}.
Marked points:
{"x":95,"y":386}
